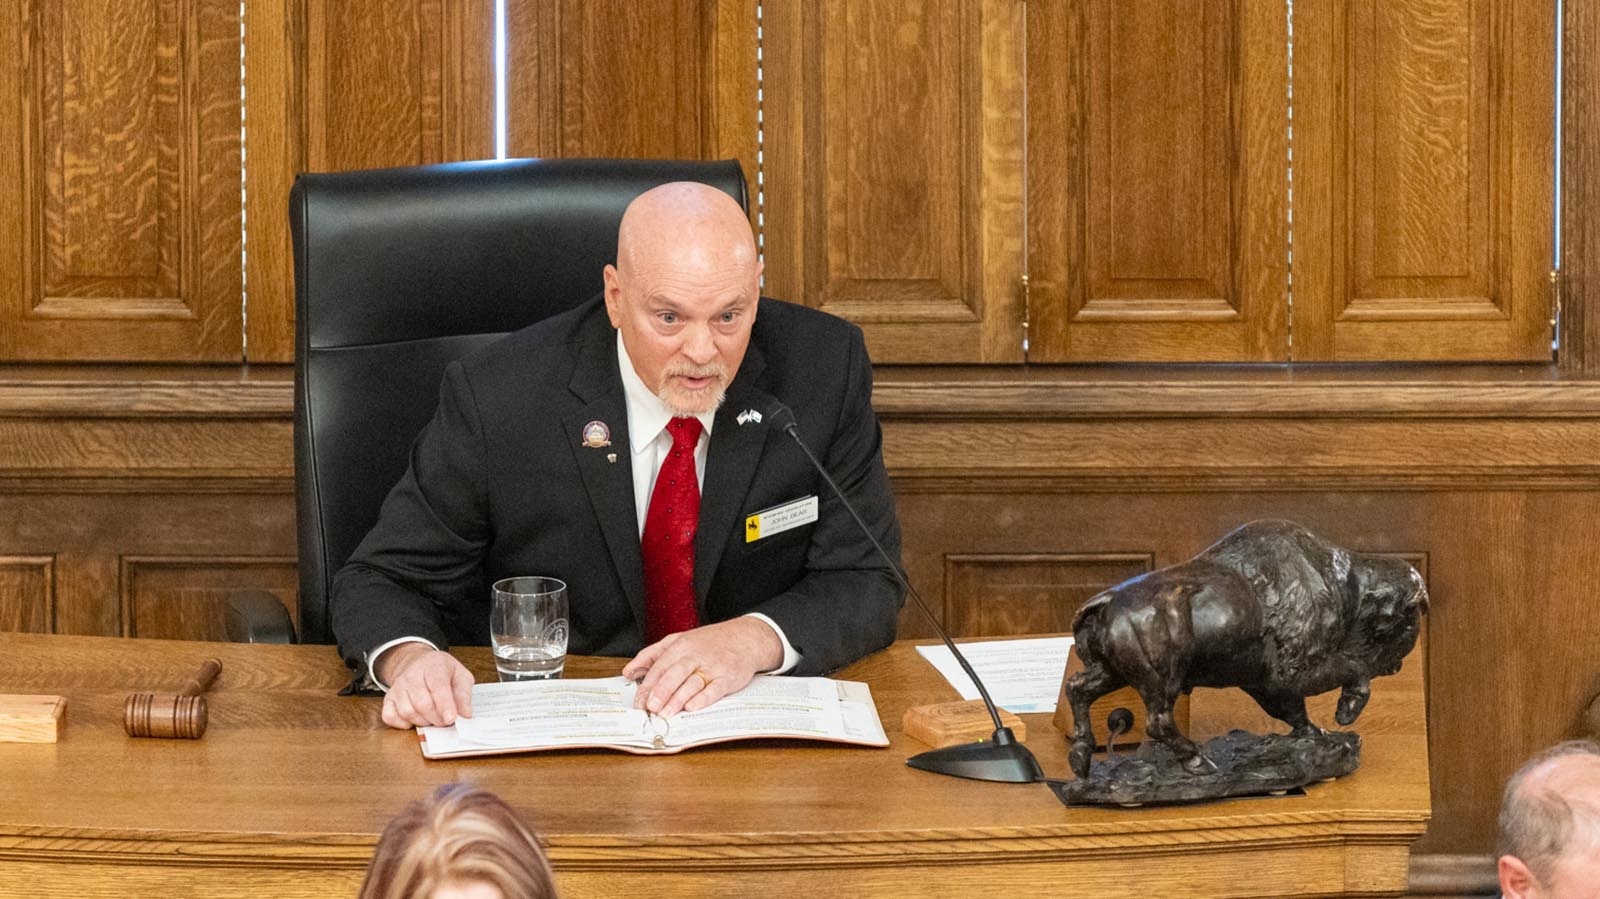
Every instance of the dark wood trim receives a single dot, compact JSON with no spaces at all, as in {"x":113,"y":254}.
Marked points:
{"x":1145,"y":429}
{"x":138,"y":391}
{"x":250,"y":485}
{"x":920,"y":393}
{"x":1438,"y":875}
{"x":1580,"y":187}
{"x":1123,"y":392}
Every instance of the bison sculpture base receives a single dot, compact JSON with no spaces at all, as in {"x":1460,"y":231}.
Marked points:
{"x":1246,"y":764}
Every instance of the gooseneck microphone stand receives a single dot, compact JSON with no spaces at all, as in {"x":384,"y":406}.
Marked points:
{"x":1001,"y":757}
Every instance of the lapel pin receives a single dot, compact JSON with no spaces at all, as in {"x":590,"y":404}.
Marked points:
{"x":611,"y":457}
{"x":748,"y":416}
{"x":596,"y":435}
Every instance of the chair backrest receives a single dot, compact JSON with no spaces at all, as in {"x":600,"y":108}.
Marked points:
{"x":400,"y":271}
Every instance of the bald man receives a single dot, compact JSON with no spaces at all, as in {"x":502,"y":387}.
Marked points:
{"x":543,"y":457}
{"x":1550,"y":825}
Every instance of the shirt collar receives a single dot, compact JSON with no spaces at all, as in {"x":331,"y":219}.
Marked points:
{"x":647,"y":414}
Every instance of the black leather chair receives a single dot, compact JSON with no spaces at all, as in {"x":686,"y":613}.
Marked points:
{"x":397,"y":273}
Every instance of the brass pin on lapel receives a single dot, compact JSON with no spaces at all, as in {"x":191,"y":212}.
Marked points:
{"x":596,"y":434}
{"x":611,"y":457}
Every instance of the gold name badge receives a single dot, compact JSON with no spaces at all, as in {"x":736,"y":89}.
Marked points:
{"x":778,"y":519}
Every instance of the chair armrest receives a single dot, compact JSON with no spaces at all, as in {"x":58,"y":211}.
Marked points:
{"x":257,"y":616}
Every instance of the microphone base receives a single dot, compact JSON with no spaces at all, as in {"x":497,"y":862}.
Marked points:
{"x":1000,"y":758}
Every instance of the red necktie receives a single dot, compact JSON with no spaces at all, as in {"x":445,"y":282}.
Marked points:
{"x":668,"y":542}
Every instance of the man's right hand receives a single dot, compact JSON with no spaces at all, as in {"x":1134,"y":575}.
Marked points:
{"x":426,"y":687}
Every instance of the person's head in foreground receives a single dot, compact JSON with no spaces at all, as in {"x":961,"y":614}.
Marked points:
{"x":1550,"y":825}
{"x":460,"y":843}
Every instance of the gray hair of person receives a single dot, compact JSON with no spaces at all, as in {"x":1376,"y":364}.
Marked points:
{"x":1538,"y":824}
{"x":459,"y":835}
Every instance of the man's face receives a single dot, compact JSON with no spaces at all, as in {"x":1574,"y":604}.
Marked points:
{"x":685,"y":318}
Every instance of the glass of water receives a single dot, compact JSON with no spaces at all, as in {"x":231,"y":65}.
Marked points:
{"x":528,"y":627}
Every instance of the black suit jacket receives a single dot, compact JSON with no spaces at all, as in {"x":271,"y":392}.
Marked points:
{"x":502,"y":484}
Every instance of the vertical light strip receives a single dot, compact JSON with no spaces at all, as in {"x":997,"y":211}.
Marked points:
{"x":244,"y":193}
{"x":499,"y":79}
{"x":761,"y":145}
{"x":1556,"y":239}
{"x":1027,"y":236}
{"x":1289,"y":202}
{"x":1555,"y":221}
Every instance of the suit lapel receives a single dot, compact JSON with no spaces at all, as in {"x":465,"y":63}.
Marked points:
{"x":608,"y":483}
{"x":731,"y":463}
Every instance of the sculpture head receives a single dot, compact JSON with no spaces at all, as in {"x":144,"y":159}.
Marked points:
{"x":1390,"y":600}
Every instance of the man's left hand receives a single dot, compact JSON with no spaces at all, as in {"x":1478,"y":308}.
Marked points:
{"x":690,"y":670}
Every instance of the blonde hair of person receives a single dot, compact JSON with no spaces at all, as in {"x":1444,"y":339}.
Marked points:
{"x":459,"y":837}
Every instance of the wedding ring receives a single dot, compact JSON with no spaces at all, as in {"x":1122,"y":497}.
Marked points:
{"x":704,"y":681}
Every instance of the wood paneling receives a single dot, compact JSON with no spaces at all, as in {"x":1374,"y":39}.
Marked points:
{"x":996,"y":595}
{"x":597,"y":79}
{"x":121,"y":146}
{"x":401,"y":82}
{"x":182,"y":598}
{"x":274,"y":128}
{"x":150,"y":561}
{"x":893,"y":171}
{"x":1157,"y":187}
{"x":1452,"y":876}
{"x":1424,"y":152}
{"x":145,"y":495}
{"x":27,"y":593}
{"x":1580,"y":187}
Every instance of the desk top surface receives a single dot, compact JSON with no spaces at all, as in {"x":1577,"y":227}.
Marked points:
{"x":288,"y":762}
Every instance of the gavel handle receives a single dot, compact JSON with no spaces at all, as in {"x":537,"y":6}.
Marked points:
{"x":201,"y":682}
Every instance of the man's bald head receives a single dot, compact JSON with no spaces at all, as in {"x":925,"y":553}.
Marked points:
{"x":1550,"y":821}
{"x":680,"y":221}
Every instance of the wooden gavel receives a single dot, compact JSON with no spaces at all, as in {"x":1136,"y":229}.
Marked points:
{"x":162,"y":715}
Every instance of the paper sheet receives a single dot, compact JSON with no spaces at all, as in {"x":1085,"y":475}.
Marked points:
{"x":1022,"y":675}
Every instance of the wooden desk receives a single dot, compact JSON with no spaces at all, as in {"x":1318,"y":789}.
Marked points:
{"x":287,"y":792}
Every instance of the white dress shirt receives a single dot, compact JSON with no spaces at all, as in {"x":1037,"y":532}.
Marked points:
{"x":650,"y":442}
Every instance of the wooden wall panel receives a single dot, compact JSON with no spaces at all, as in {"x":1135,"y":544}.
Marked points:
{"x":606,"y":79}
{"x":893,"y":165}
{"x":122,"y":162}
{"x":1157,"y":183}
{"x":989,"y":595}
{"x":398,"y":82}
{"x":151,"y":562}
{"x":654,"y":79}
{"x":1580,"y":188}
{"x":274,"y":128}
{"x":102,"y":466}
{"x":1424,"y":155}
{"x":27,"y":593}
{"x":181,"y":598}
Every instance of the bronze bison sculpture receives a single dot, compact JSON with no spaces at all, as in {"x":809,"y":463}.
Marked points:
{"x":1270,"y":608}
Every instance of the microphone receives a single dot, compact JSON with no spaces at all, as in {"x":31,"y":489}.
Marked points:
{"x":1001,"y":757}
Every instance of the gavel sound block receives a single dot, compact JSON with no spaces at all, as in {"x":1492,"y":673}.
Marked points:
{"x":30,"y":718}
{"x":182,"y":716}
